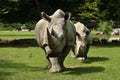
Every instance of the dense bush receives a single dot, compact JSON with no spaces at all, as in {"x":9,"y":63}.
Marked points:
{"x":30,"y":25}
{"x":9,"y":26}
{"x":105,"y":27}
{"x":29,"y":10}
{"x":15,"y":26}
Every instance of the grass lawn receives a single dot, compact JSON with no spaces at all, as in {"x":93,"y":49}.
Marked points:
{"x":27,"y":34}
{"x":28,"y":63}
{"x":17,"y":34}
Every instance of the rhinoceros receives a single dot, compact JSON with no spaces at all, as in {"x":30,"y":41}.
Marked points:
{"x":55,"y":34}
{"x":83,"y":41}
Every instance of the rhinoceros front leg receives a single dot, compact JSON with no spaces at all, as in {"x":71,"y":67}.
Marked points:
{"x":55,"y":61}
{"x":49,"y":62}
{"x":73,"y":54}
{"x":65,"y":52}
{"x":87,"y":49}
{"x":55,"y":64}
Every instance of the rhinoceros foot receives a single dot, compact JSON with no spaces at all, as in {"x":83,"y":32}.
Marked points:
{"x":81,"y":58}
{"x":55,"y":65}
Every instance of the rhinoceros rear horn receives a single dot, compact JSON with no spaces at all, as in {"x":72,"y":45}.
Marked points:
{"x":67,"y":16}
{"x":45,"y":16}
{"x":50,"y":40}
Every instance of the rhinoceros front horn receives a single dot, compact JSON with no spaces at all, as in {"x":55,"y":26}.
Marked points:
{"x":51,"y":40}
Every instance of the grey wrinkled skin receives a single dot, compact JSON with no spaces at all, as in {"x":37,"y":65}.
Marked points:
{"x":83,"y":41}
{"x":55,"y":34}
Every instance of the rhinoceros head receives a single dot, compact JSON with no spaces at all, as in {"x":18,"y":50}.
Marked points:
{"x":82,"y":31}
{"x":56,"y":29}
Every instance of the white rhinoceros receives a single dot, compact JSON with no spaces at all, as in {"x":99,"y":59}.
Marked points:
{"x":55,"y":34}
{"x":83,"y":40}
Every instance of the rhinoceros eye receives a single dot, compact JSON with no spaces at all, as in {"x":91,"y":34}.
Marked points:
{"x":87,"y":33}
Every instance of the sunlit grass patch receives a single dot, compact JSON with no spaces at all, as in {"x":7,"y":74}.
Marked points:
{"x":28,"y":63}
{"x":17,"y":34}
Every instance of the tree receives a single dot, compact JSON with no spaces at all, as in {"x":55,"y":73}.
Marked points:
{"x":105,"y":27}
{"x":112,"y":9}
{"x":29,"y":10}
{"x":18,"y":10}
{"x":89,"y":9}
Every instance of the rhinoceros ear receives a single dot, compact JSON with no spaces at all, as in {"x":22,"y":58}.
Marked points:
{"x":45,"y":16}
{"x":67,"y":16}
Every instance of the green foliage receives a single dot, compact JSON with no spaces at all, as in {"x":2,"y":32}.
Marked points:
{"x":16,"y":26}
{"x":10,"y":26}
{"x":14,"y":0}
{"x":30,"y":25}
{"x":6,"y":6}
{"x":23,"y":11}
{"x":18,"y":10}
{"x":111,"y":8}
{"x":90,"y":9}
{"x":105,"y":27}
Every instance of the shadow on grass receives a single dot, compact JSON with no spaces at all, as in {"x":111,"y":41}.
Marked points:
{"x":3,"y":75}
{"x":26,"y":42}
{"x":18,"y":42}
{"x":18,"y":46}
{"x":95,"y":59}
{"x":21,"y":66}
{"x":107,"y":45}
{"x":9,"y":68}
{"x":84,"y":70}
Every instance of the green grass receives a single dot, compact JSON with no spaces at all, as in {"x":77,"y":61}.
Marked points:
{"x":115,"y":36}
{"x":17,"y":34}
{"x":31,"y":34}
{"x":16,"y":63}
